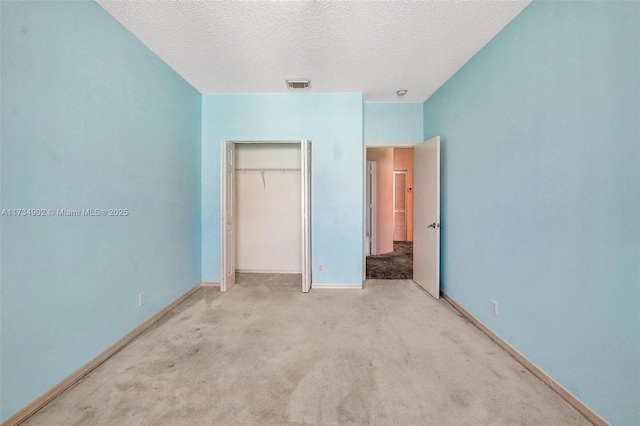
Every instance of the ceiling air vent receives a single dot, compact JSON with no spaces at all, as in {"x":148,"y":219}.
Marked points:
{"x":298,"y":84}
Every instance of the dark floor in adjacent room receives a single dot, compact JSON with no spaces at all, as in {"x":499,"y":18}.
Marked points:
{"x":397,"y":265}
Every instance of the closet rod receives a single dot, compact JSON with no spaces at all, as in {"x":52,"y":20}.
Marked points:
{"x":268,"y":170}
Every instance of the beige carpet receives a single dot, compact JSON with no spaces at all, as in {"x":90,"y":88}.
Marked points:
{"x":266,"y":354}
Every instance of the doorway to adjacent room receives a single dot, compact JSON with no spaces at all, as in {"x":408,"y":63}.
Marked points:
{"x":389,"y":228}
{"x":402,"y":213}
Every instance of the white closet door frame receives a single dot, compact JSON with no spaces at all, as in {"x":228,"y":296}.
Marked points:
{"x":227,"y":215}
{"x":305,"y":161}
{"x":227,"y":260}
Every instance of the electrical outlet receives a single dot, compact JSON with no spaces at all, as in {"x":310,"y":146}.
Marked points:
{"x":320,"y":267}
{"x":141,"y":299}
{"x":494,"y":307}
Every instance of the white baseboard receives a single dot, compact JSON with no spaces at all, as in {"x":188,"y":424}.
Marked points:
{"x":34,"y":406}
{"x":209,"y":284}
{"x":336,"y":286}
{"x":587,"y":412}
{"x":381,"y":252}
{"x":247,"y":271}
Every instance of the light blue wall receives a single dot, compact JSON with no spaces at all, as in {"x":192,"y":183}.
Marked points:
{"x":333,"y":122}
{"x":90,"y":119}
{"x":393,"y":122}
{"x":541,"y":194}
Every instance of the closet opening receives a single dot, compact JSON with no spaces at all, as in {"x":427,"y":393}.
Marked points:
{"x":265,"y":213}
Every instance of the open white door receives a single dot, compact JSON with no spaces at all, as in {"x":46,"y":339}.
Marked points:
{"x":426,"y":215}
{"x":227,"y":220}
{"x":373,"y":209}
{"x":306,"y":214}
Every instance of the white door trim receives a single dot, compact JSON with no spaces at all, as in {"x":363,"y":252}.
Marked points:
{"x":305,"y":211}
{"x":389,"y":145}
{"x":373,"y":213}
{"x":227,"y":214}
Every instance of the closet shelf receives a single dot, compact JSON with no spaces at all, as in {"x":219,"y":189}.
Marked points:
{"x":267,"y":170}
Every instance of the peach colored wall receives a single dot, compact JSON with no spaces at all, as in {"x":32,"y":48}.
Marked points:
{"x":384,"y":168}
{"x":403,"y":160}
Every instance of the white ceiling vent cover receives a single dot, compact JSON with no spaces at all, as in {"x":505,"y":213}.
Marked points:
{"x":298,"y":84}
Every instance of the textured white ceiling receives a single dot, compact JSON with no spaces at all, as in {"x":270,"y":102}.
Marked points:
{"x":371,"y":47}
